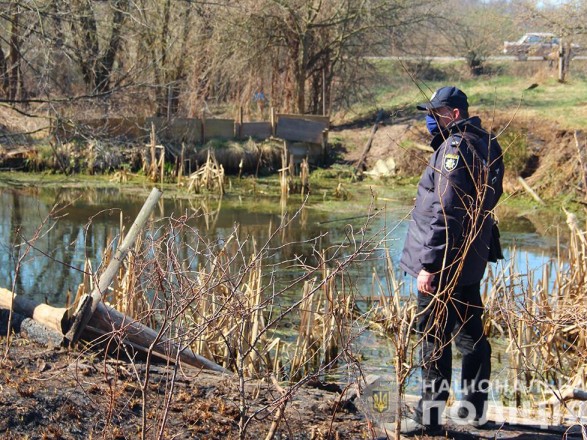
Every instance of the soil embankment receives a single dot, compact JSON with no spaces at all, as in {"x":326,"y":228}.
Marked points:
{"x":543,"y":154}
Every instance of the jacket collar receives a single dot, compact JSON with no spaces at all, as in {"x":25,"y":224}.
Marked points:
{"x":460,"y":126}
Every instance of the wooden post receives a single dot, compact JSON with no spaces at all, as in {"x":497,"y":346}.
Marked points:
{"x":324,"y":92}
{"x":582,"y":162}
{"x":162,"y":162}
{"x":169,"y":100}
{"x":153,"y":164}
{"x":239,"y":123}
{"x":181,"y":164}
{"x":324,"y":146}
{"x":561,"y":61}
{"x":272,"y":120}
{"x":87,"y":308}
{"x":203,"y":127}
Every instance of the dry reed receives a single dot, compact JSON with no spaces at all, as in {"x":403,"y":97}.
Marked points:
{"x":209,"y":176}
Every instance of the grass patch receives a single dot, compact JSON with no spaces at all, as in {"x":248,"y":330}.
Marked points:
{"x":504,"y":90}
{"x":515,"y":148}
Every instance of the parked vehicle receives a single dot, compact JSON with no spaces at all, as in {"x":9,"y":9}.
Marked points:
{"x":536,"y":44}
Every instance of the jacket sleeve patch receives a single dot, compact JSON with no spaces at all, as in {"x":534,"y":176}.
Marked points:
{"x":451,"y":161}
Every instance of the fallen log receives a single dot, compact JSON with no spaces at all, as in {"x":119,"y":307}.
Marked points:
{"x":564,"y":396}
{"x":52,"y":317}
{"x":106,"y":321}
{"x":530,"y":191}
{"x":29,"y":329}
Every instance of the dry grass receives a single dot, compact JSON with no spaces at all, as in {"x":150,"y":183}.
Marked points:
{"x":543,"y":318}
{"x":210,"y":176}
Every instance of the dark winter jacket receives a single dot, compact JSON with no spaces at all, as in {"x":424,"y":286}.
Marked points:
{"x":451,"y":225}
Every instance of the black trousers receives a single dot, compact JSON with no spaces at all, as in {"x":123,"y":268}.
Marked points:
{"x":455,"y":317}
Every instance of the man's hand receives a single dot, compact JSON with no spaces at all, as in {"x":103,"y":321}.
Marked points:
{"x":424,"y":282}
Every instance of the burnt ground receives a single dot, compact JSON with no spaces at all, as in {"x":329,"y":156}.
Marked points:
{"x":53,"y":393}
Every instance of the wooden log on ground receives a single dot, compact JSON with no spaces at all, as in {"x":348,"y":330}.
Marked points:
{"x":52,"y":317}
{"x":564,"y":396}
{"x":30,"y":329}
{"x":104,"y":321}
{"x":530,"y":191}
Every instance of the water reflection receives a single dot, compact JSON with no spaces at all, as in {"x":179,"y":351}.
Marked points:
{"x":48,"y":246}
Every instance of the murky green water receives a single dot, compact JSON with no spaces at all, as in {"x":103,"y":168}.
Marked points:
{"x":42,"y":252}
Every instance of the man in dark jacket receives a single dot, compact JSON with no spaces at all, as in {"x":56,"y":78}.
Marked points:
{"x":447,"y":249}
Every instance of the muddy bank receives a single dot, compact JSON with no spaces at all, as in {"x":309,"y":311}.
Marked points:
{"x":540,"y":152}
{"x":52,"y":393}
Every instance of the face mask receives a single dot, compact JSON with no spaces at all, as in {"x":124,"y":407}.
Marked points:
{"x":432,"y":125}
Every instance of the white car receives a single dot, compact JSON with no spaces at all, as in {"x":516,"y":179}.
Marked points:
{"x":536,"y":44}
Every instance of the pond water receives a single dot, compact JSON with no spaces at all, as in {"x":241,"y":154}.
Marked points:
{"x":42,"y":256}
{"x":48,"y":252}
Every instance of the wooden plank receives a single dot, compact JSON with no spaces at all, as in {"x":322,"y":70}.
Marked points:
{"x":186,"y":130}
{"x":131,"y":128}
{"x":117,"y":127}
{"x":257,"y":130}
{"x":316,"y":118}
{"x":177,"y":130}
{"x":300,"y":130}
{"x":218,"y":128}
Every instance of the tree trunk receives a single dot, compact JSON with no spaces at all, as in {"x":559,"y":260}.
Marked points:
{"x":86,"y":39}
{"x":105,"y":63}
{"x":162,"y":82}
{"x":300,"y":77}
{"x":3,"y":74}
{"x":14,"y":55}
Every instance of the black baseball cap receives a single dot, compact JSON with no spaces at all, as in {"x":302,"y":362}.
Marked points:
{"x":448,"y":96}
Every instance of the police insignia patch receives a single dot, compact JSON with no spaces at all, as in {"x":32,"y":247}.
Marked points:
{"x":451,"y":161}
